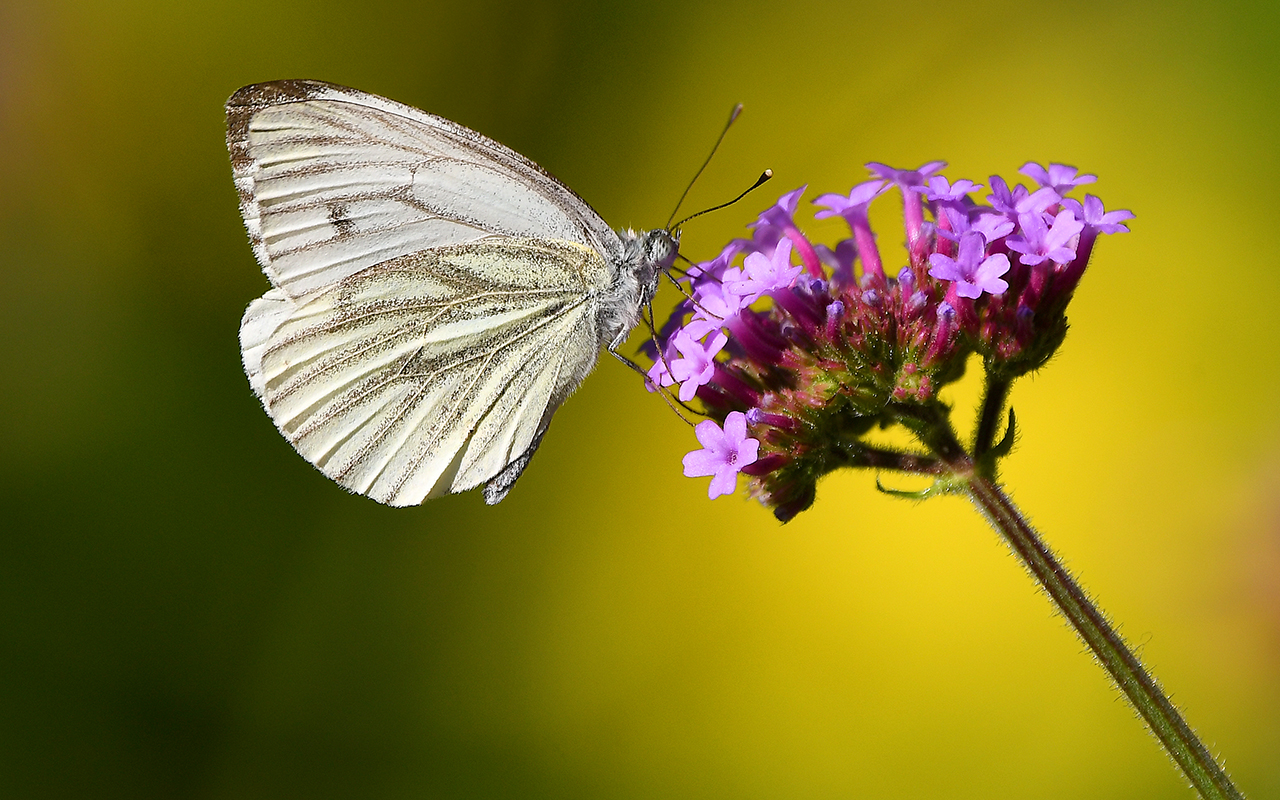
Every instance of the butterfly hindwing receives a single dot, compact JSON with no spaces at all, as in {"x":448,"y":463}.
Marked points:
{"x":432,"y":372}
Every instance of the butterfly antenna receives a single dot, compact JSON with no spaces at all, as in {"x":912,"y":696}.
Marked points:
{"x":684,"y":273}
{"x":761,"y":181}
{"x":733,"y":115}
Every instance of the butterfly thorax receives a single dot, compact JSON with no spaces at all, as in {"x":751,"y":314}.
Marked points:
{"x":644,"y":256}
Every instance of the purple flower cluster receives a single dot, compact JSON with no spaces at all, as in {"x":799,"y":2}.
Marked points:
{"x":799,"y":348}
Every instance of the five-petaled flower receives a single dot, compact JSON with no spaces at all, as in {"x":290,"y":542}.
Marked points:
{"x":1040,"y":242}
{"x":1062,"y":178}
{"x":724,"y":454}
{"x":696,"y":363}
{"x":763,"y":274}
{"x":972,"y":271}
{"x":1092,"y":215}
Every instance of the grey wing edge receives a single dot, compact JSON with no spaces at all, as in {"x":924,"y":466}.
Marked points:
{"x":501,"y":484}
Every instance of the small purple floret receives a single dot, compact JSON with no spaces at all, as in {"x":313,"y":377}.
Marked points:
{"x":713,"y":302}
{"x":1015,"y":201}
{"x":781,"y":212}
{"x":992,"y":226}
{"x":697,"y":362}
{"x":970,"y":271}
{"x":1091,"y":214}
{"x":1040,"y":242}
{"x":938,"y":190}
{"x":906,"y":177}
{"x":840,"y":258}
{"x":717,"y":266}
{"x":855,"y":204}
{"x":659,"y":375}
{"x":724,"y":454}
{"x":762,"y":275}
{"x":1062,"y":178}
{"x":773,"y":224}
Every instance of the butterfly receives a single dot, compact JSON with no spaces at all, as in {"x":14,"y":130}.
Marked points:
{"x":435,"y":295}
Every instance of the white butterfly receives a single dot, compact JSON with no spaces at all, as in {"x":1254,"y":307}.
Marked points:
{"x":436,"y":295}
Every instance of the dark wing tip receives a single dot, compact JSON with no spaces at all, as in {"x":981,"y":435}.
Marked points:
{"x":248,"y":100}
{"x":260,"y":95}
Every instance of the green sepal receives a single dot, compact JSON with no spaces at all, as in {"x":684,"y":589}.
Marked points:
{"x":940,"y":486}
{"x":988,"y":461}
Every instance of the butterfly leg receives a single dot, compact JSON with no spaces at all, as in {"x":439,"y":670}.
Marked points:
{"x":633,"y":365}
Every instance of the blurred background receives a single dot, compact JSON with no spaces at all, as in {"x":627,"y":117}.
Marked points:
{"x":187,"y":609}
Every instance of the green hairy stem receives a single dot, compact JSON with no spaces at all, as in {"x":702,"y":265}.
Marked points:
{"x":972,"y":473}
{"x":1108,"y":646}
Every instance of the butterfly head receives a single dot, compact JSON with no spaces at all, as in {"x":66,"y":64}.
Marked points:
{"x":645,"y":256}
{"x":649,"y":253}
{"x":660,"y":248}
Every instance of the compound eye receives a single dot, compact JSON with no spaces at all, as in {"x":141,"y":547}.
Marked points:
{"x":662,"y":249}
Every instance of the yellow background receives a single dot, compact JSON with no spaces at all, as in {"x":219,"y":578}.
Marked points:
{"x":187,"y":609}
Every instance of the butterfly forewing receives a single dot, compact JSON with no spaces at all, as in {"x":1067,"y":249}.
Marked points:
{"x":428,"y":373}
{"x":333,"y":180}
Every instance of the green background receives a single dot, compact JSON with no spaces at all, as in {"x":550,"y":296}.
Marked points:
{"x":187,"y":609}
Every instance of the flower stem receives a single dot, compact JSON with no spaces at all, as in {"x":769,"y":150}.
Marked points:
{"x":994,"y":397}
{"x":1181,"y":743}
{"x":880,"y":458}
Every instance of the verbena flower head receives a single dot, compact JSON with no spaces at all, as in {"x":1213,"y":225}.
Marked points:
{"x":795,"y":349}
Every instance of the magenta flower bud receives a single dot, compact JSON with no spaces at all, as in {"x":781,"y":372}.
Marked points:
{"x":835,"y":314}
{"x":757,"y":417}
{"x":733,"y":387}
{"x":801,"y":309}
{"x":797,"y":337}
{"x":1024,"y":322}
{"x":944,"y":328}
{"x":765,"y":465}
